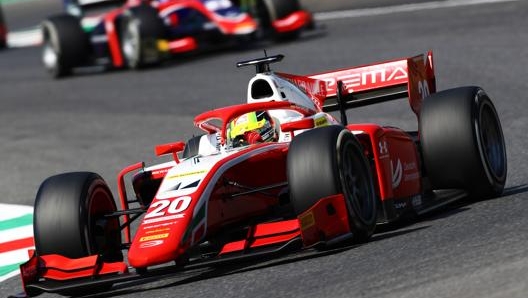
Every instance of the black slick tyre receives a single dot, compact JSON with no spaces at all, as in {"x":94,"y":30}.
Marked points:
{"x":65,"y":45}
{"x":327,"y":161}
{"x":462,"y":142}
{"x":140,"y":31}
{"x":69,"y":217}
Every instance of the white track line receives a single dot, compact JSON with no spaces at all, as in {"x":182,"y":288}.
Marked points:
{"x":363,"y":12}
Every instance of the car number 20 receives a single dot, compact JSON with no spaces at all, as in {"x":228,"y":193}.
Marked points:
{"x":162,"y":207}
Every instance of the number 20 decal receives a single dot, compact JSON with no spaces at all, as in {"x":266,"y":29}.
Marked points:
{"x":160,"y":208}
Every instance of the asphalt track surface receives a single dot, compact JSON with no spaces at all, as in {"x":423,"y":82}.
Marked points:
{"x":104,"y":121}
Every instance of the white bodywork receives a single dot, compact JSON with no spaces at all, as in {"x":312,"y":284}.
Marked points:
{"x":283,"y":90}
{"x":280,"y":89}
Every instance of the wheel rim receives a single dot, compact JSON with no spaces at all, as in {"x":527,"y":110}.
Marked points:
{"x":130,"y":43}
{"x":492,"y":142}
{"x":49,"y":56}
{"x":98,"y":227}
{"x":356,"y":183}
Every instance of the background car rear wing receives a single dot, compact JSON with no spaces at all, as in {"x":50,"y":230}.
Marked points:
{"x":364,"y":85}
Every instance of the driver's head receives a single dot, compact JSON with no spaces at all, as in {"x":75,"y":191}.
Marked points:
{"x":251,"y":128}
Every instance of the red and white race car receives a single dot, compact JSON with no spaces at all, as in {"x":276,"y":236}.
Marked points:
{"x":140,"y":33}
{"x":274,"y":175}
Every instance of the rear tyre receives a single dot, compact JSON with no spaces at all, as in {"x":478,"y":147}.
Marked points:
{"x":65,"y":45}
{"x":69,"y":217}
{"x":462,"y":142}
{"x":328,"y":161}
{"x":140,"y":31}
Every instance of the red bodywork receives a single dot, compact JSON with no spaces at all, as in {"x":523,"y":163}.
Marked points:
{"x":218,"y":202}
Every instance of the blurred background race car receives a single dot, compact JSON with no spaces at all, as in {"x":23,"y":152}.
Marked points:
{"x":141,"y":33}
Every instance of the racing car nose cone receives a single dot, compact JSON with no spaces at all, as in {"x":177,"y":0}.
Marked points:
{"x":151,"y":252}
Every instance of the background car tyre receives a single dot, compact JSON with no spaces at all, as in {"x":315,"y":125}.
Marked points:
{"x":462,"y":142}
{"x":140,"y":31}
{"x":65,"y":44}
{"x":69,"y":217}
{"x":327,"y":161}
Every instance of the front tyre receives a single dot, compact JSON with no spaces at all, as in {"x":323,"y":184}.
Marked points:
{"x":327,"y":161}
{"x":462,"y":142}
{"x":69,"y":217}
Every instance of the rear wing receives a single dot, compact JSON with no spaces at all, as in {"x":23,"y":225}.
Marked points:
{"x":369,"y":84}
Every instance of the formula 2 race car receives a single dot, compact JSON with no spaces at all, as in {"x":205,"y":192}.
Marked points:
{"x":276,"y":174}
{"x":139,"y":33}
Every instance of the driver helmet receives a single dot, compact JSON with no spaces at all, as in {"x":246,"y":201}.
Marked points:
{"x":251,"y":128}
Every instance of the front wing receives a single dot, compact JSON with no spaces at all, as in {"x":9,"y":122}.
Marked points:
{"x":325,"y":223}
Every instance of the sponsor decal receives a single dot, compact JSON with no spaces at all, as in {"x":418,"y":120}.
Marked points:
{"x":158,"y":225}
{"x":321,"y":121}
{"x":413,"y":176}
{"x":176,"y":216}
{"x":160,"y":172}
{"x":367,"y":77}
{"x":153,"y":237}
{"x":186,"y":174}
{"x":306,"y":221}
{"x":410,"y":167}
{"x":284,"y":137}
{"x":383,"y":148}
{"x":150,"y":243}
{"x":157,"y":231}
{"x":396,"y":173}
{"x":400,"y":205}
{"x":416,"y":201}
